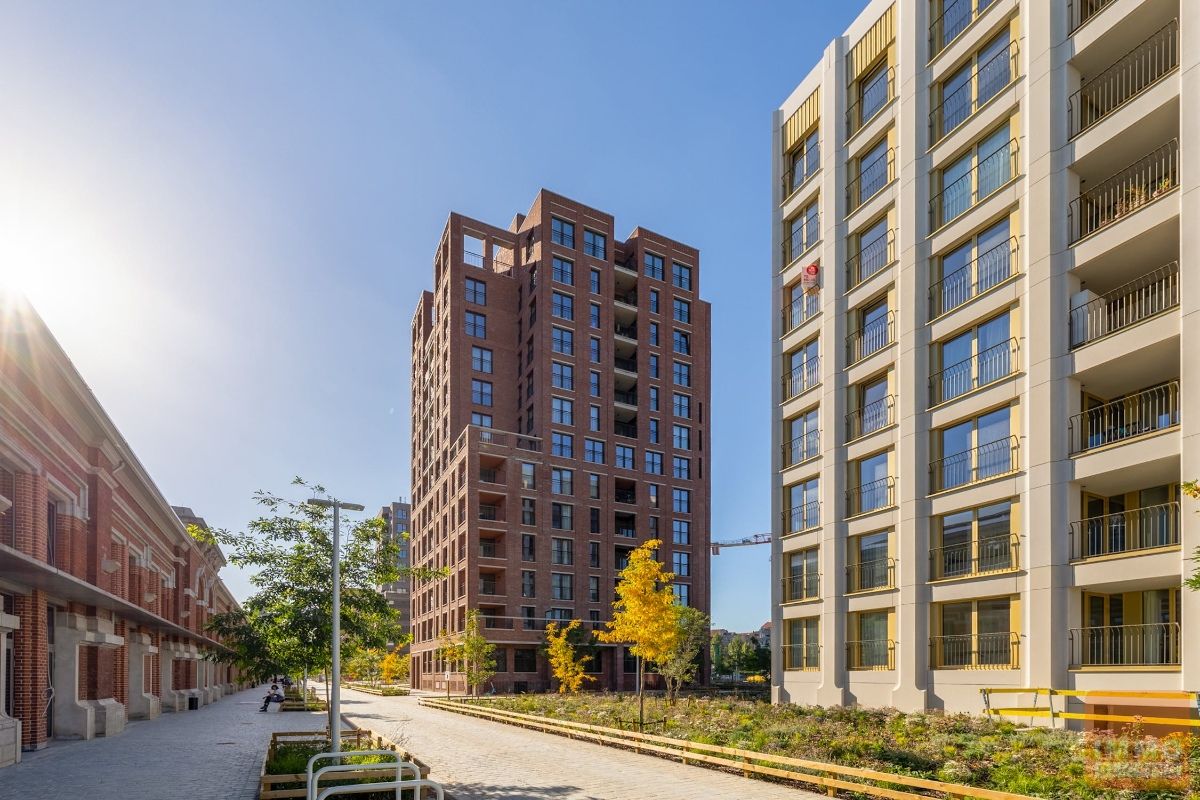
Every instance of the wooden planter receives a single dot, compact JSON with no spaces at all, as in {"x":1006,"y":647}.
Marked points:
{"x":358,"y":739}
{"x":382,"y":691}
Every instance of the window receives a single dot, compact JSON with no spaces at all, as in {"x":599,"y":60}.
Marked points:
{"x":804,"y":230}
{"x":974,"y":633}
{"x":562,"y":516}
{"x":654,"y":301}
{"x":593,"y":589}
{"x":975,"y":450}
{"x":594,"y":555}
{"x":562,"y":376}
{"x":803,"y":161}
{"x":594,"y":352}
{"x":594,"y":244}
{"x":562,"y":341}
{"x":528,"y":622}
{"x":872,"y":491}
{"x":653,"y":434}
{"x":528,"y":479}
{"x":682,"y":310}
{"x":562,"y":444}
{"x":624,"y":457}
{"x":973,"y":359}
{"x":562,"y":586}
{"x":594,"y":520}
{"x":594,"y":281}
{"x":528,"y":547}
{"x":528,"y":583}
{"x":681,"y":531}
{"x":803,"y":506}
{"x":681,"y":276}
{"x":562,"y":306}
{"x":681,"y":467}
{"x":476,"y":292}
{"x":654,"y":398}
{"x":681,"y":342}
{"x":869,"y":566}
{"x":653,"y":265}
{"x":682,"y":593}
{"x":476,"y":325}
{"x":873,"y":93}
{"x":594,"y":418}
{"x":561,"y":552}
{"x":802,"y":644}
{"x":681,"y":373}
{"x":593,"y":451}
{"x":870,"y":646}
{"x":802,"y":369}
{"x":593,"y":486}
{"x":973,"y":268}
{"x":681,"y":564}
{"x":562,"y":411}
{"x":562,"y":270}
{"x":681,"y":437}
{"x":558,"y":614}
{"x":524,"y":659}
{"x":652,"y":493}
{"x":681,"y":501}
{"x":481,"y":392}
{"x":562,"y":232}
{"x":654,"y":462}
{"x":976,"y":175}
{"x":594,"y":384}
{"x":977,"y":541}
{"x":528,"y":511}
{"x":976,"y":82}
{"x":561,"y":481}
{"x":481,"y":359}
{"x":532,"y":314}
{"x":482,"y":420}
{"x":653,"y":365}
{"x":654,"y":333}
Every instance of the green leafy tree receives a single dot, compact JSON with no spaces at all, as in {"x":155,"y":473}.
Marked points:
{"x":1192,"y":489}
{"x":740,"y":656}
{"x":717,"y":652}
{"x":682,"y":662}
{"x":470,"y":651}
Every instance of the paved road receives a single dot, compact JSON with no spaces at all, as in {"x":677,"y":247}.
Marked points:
{"x":481,"y":760}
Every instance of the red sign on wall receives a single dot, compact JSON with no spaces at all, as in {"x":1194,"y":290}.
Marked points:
{"x":810,"y":277}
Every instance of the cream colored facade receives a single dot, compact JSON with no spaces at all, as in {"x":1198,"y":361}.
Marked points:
{"x":982,"y":416}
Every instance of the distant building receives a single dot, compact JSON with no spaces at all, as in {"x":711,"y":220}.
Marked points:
{"x":396,"y":516}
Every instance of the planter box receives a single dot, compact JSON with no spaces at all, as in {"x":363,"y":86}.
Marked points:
{"x":270,"y":786}
{"x":382,"y":691}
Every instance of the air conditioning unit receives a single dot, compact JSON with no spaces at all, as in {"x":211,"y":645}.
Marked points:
{"x":1085,"y":323}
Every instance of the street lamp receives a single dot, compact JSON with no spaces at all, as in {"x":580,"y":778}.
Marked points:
{"x":335,"y":698}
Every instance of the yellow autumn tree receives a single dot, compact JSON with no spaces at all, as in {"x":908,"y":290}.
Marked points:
{"x":566,"y":662}
{"x":394,"y":668}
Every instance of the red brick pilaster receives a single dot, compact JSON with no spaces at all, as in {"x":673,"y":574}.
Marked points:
{"x":120,"y":672}
{"x":31,"y":667}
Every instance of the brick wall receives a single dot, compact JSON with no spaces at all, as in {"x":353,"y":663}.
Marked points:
{"x":31,"y":667}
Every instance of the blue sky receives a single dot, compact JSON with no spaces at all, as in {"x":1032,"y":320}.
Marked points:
{"x":226,"y":212}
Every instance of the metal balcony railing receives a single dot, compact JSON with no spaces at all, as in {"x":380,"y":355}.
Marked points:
{"x":1127,"y":531}
{"x":629,"y":299}
{"x":625,"y":496}
{"x":871,"y":100}
{"x":491,"y":513}
{"x":628,"y":398}
{"x":1146,"y":412}
{"x":1140,"y":299}
{"x":794,"y":178}
{"x":488,"y":475}
{"x":802,"y":518}
{"x":1081,"y":11}
{"x":871,"y":338}
{"x":979,"y":557}
{"x":491,"y":436}
{"x":990,"y":269}
{"x":871,"y":496}
{"x":870,"y":418}
{"x":986,"y":81}
{"x":488,"y":588}
{"x":800,"y":310}
{"x":626,"y":429}
{"x":626,"y":364}
{"x":1000,"y":650}
{"x":800,"y":240}
{"x":993,"y":171}
{"x":802,"y":656}
{"x":802,"y":586}
{"x":866,"y":576}
{"x":874,"y":256}
{"x":871,"y":654}
{"x":627,"y":532}
{"x":487,"y":549}
{"x":1148,"y":178}
{"x":1152,"y":645}
{"x":870,"y":179}
{"x":985,"y":367}
{"x":628,"y":331}
{"x":1132,"y":74}
{"x":493,"y":622}
{"x":955,"y":17}
{"x":802,"y":378}
{"x":801,"y":448}
{"x":472,"y":259}
{"x":990,"y":460}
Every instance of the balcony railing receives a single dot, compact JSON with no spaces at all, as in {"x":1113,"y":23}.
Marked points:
{"x":980,"y":557}
{"x":487,"y":475}
{"x":626,"y":531}
{"x":800,"y":310}
{"x":628,"y":497}
{"x":488,"y":588}
{"x":870,"y":418}
{"x":872,"y":177}
{"x":873,"y":337}
{"x":986,"y":81}
{"x":492,"y":622}
{"x":993,"y":171}
{"x":955,"y":17}
{"x":1081,"y":11}
{"x":1138,"y":300}
{"x":794,"y":178}
{"x":626,"y":429}
{"x":626,"y":364}
{"x":802,"y":656}
{"x":803,"y":586}
{"x":985,"y":367}
{"x":990,"y":460}
{"x":1155,"y":409}
{"x":990,"y":269}
{"x":1128,"y":531}
{"x":871,"y":496}
{"x":563,"y":237}
{"x":802,"y":378}
{"x":872,"y":99}
{"x":628,"y":331}
{"x":998,"y":650}
{"x":801,"y":449}
{"x":1148,"y":178}
{"x":1153,"y":645}
{"x":499,"y":438}
{"x":800,"y":240}
{"x":491,"y":513}
{"x":802,"y":518}
{"x":874,"y":256}
{"x":629,"y":299}
{"x":871,"y":654}
{"x":628,"y":398}
{"x":1132,"y":74}
{"x":488,"y":550}
{"x":867,"y":576}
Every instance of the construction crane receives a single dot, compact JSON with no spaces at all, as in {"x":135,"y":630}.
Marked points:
{"x":746,"y":541}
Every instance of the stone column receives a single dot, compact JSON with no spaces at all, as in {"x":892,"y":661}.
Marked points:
{"x":143,"y":704}
{"x":76,"y":718}
{"x":169,"y":698}
{"x":10,"y":729}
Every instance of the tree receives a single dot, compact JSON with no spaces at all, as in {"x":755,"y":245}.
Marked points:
{"x":471,"y":651}
{"x":365,"y":664}
{"x":1192,"y":489}
{"x":717,"y":652}
{"x":395,"y":667}
{"x":644,"y":613}
{"x":683,"y":661}
{"x":740,"y":656}
{"x":568,"y":662}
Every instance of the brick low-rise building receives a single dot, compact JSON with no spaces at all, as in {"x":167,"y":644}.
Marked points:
{"x":560,"y":401}
{"x":103,"y":594}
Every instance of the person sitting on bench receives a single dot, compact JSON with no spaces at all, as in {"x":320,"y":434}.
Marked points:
{"x":273,"y":696}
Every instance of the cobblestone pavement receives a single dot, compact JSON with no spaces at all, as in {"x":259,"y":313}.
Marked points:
{"x":214,"y":753}
{"x":480,"y":760}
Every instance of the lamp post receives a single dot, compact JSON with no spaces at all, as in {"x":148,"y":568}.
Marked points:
{"x":335,"y":697}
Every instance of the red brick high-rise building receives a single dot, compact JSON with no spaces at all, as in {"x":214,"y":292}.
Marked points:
{"x":560,"y":417}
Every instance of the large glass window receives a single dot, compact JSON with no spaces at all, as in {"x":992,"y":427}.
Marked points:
{"x":562,"y":232}
{"x":653,"y":266}
{"x":562,"y":271}
{"x":476,"y":292}
{"x":803,"y":506}
{"x":476,"y":325}
{"x":562,"y":306}
{"x":481,"y":359}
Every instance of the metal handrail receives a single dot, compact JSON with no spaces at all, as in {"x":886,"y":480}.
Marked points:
{"x":802,"y":378}
{"x":1129,"y":76}
{"x":1138,"y":300}
{"x":871,"y":338}
{"x":975,"y":650}
{"x":489,"y":475}
{"x":626,"y":429}
{"x":626,"y":364}
{"x":964,"y":193}
{"x":1081,"y":11}
{"x":1146,"y":179}
{"x":867,"y":576}
{"x":800,"y":310}
{"x":595,"y":250}
{"x":628,"y":398}
{"x":1126,"y":531}
{"x":801,"y":448}
{"x":946,"y":26}
{"x":487,"y":549}
{"x":312,"y":778}
{"x":988,"y":270}
{"x":871,"y":496}
{"x":802,"y":656}
{"x":990,"y":460}
{"x":472,"y":259}
{"x":792,"y":181}
{"x":491,"y":513}
{"x":870,"y":179}
{"x":854,"y":121}
{"x":629,"y":299}
{"x":802,"y":586}
{"x":628,"y":331}
{"x":871,"y":654}
{"x":870,"y":418}
{"x":417,"y":786}
{"x":871,"y":258}
{"x":965,"y":101}
{"x":800,"y":242}
{"x":802,"y":518}
{"x":1145,"y":412}
{"x":977,"y":557}
{"x":1146,"y":645}
{"x":984,"y":368}
{"x":565,"y":239}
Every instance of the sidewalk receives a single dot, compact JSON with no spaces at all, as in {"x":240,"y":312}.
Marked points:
{"x":215,"y":753}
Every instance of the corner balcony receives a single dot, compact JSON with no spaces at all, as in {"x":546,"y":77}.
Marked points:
{"x":1143,"y":298}
{"x":1117,"y":646}
{"x":1151,"y":177}
{"x":1124,"y":533}
{"x":1126,"y":419}
{"x":991,"y":460}
{"x":1127,"y":78}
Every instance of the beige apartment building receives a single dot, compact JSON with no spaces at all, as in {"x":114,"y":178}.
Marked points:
{"x":985,"y":277}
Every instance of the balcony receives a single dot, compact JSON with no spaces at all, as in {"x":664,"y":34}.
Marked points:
{"x":985,"y":556}
{"x":799,"y":311}
{"x":625,"y":524}
{"x":625,"y":398}
{"x":868,"y":576}
{"x":992,"y":173}
{"x":627,"y":299}
{"x":1125,"y":419}
{"x":873,"y":337}
{"x":870,"y":418}
{"x":998,"y":650}
{"x":803,"y":586}
{"x":871,"y":179}
{"x":626,"y":496}
{"x":489,"y":549}
{"x":626,"y":331}
{"x":491,"y":513}
{"x":872,"y":99}
{"x":1081,"y":11}
{"x":987,"y":80}
{"x":1140,"y":299}
{"x":989,"y":270}
{"x":490,"y":475}
{"x":1143,"y":181}
{"x":984,"y":368}
{"x":1125,"y":532}
{"x":871,"y":654}
{"x":990,"y":460}
{"x":802,"y":378}
{"x":1132,"y":74}
{"x":802,"y":656}
{"x":871,"y":496}
{"x":499,"y":438}
{"x":801,"y":449}
{"x":626,"y":429}
{"x":625,"y":364}
{"x":872,"y":259}
{"x":494,"y":622}
{"x":802,"y":518}
{"x":489,"y":587}
{"x":1153,"y":645}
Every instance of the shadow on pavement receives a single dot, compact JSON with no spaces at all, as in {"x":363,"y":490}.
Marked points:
{"x":482,"y":791}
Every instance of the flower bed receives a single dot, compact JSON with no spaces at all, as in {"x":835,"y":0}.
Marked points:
{"x":283,"y":771}
{"x":383,"y":691}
